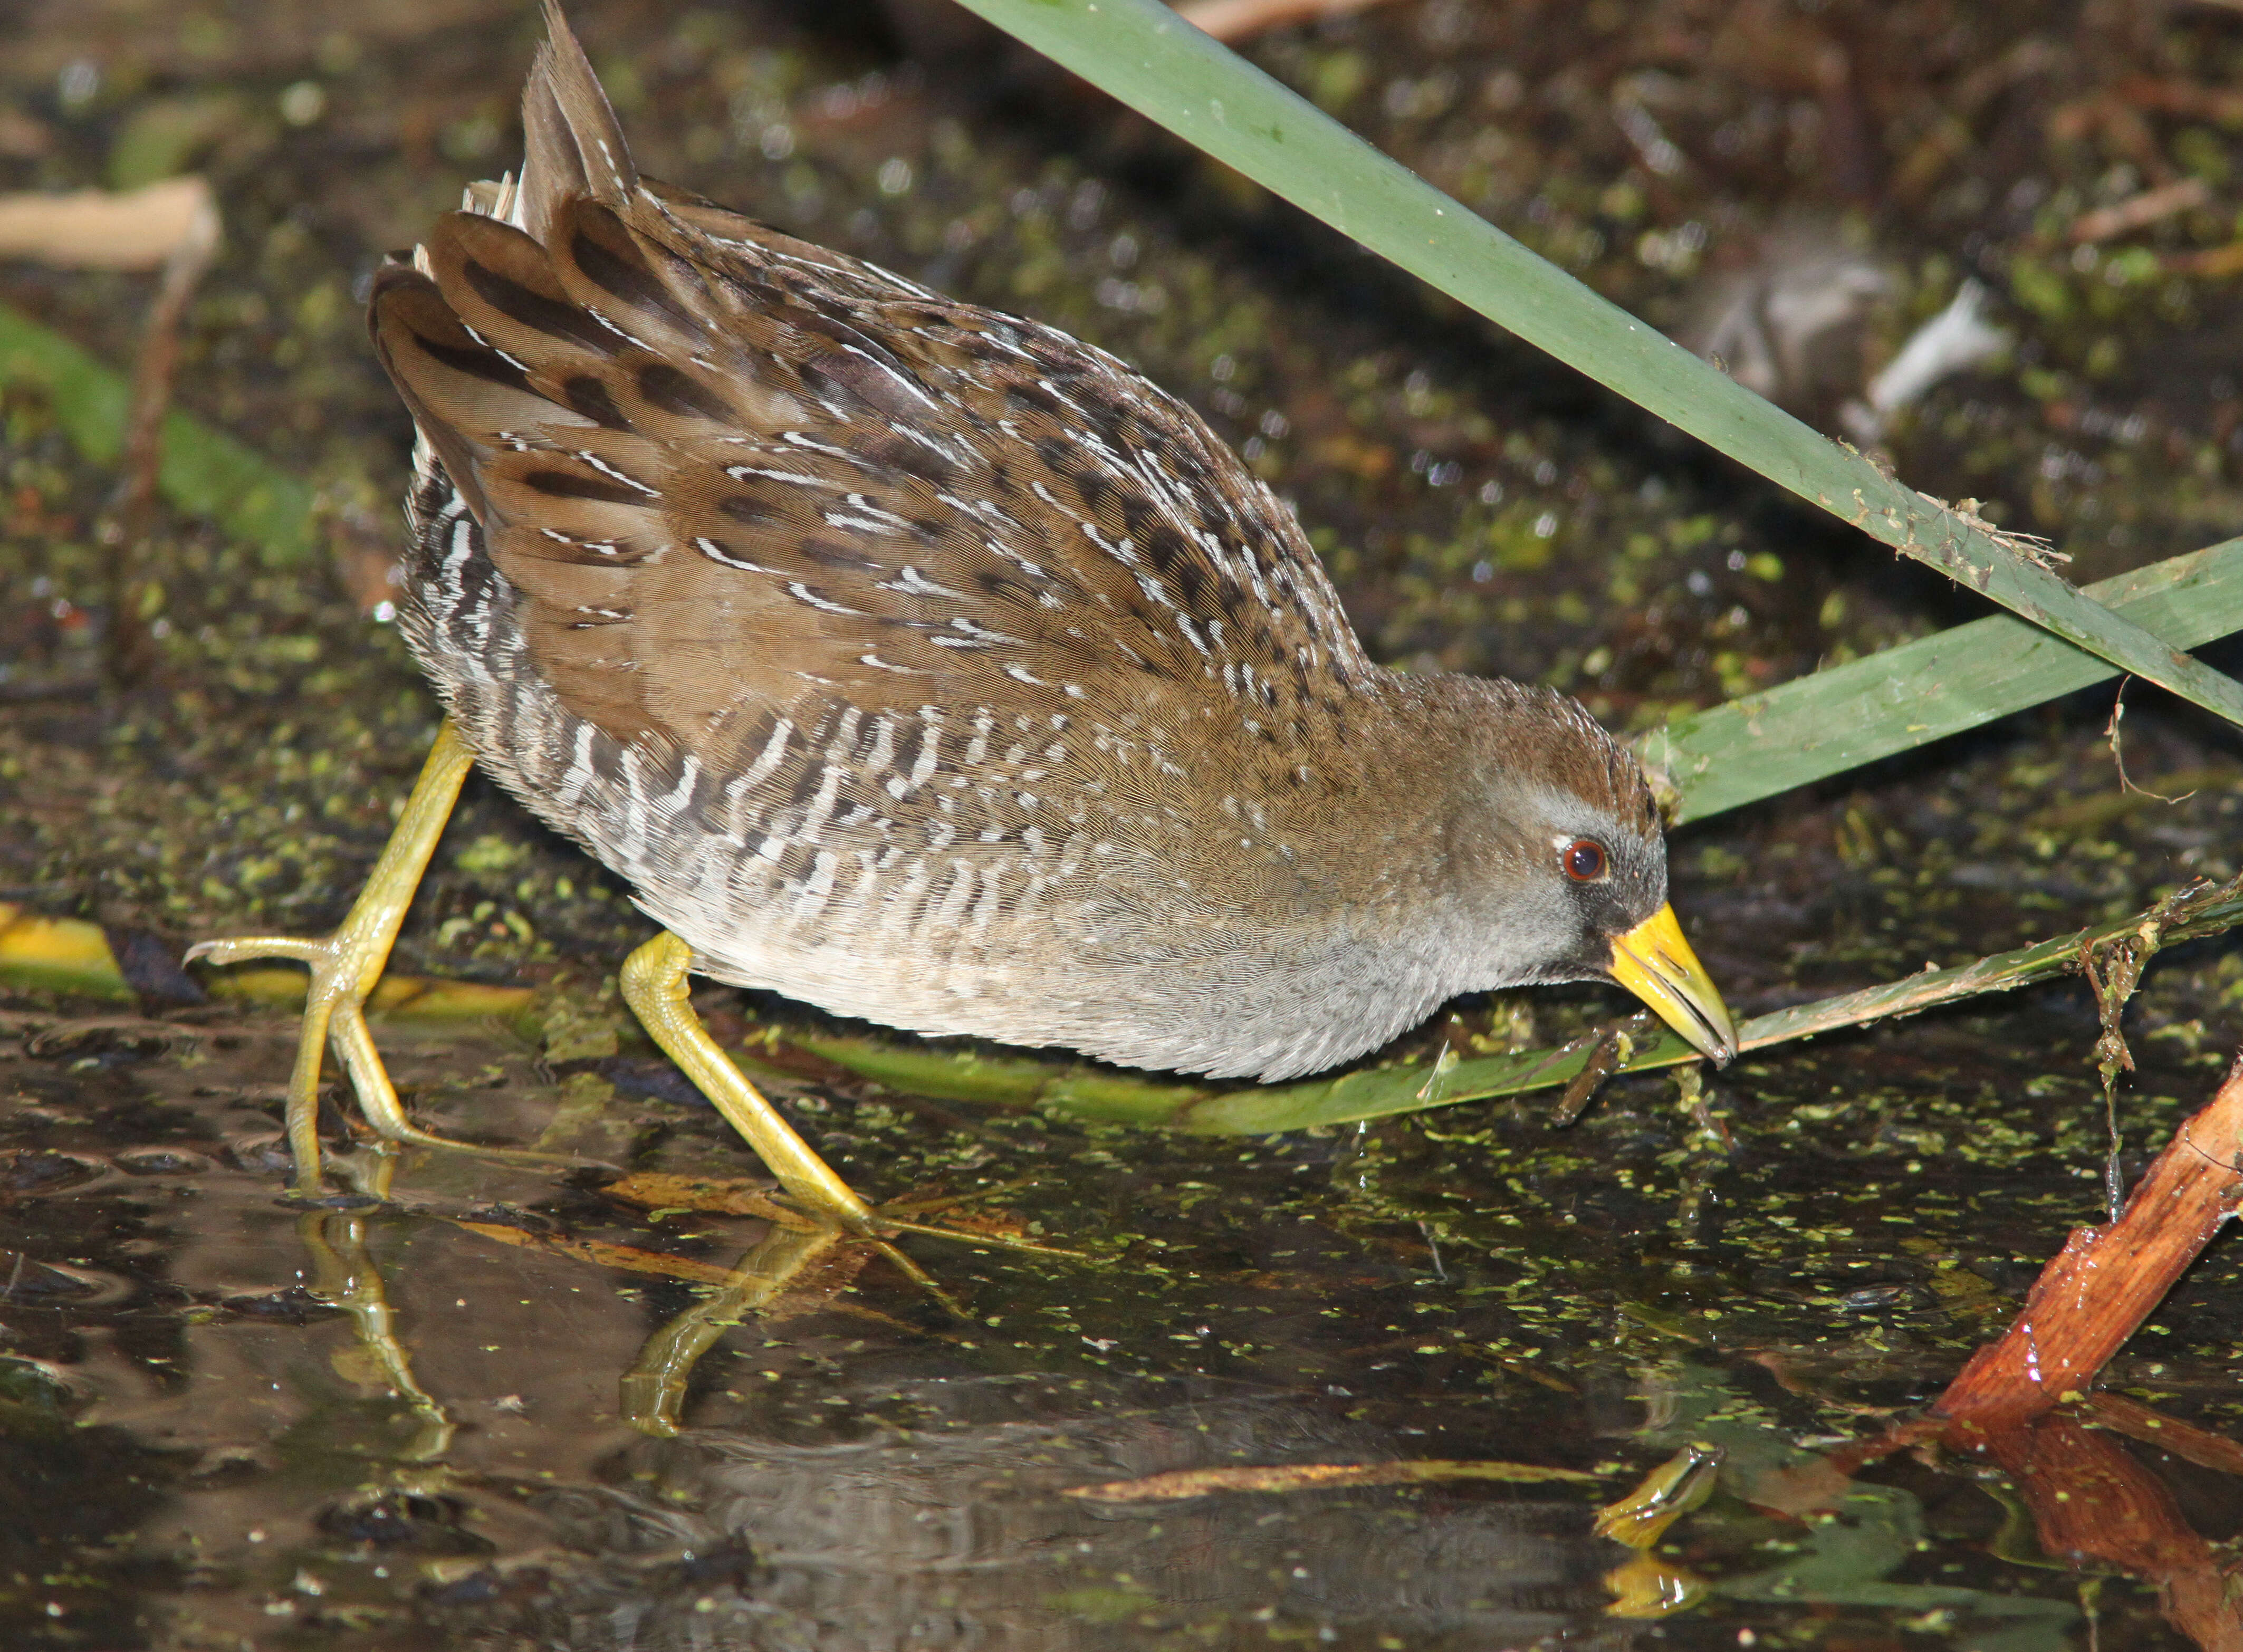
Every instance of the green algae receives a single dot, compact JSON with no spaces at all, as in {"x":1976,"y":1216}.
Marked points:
{"x":203,"y":471}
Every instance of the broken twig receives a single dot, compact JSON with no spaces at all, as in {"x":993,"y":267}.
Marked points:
{"x":1309,"y":1477}
{"x":1232,"y":21}
{"x":2106,"y":1280}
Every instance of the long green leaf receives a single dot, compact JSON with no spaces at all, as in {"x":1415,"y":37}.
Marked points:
{"x":1384,"y":1092}
{"x":1119,"y":1098}
{"x":203,"y":471}
{"x":1847,"y":715}
{"x":1143,"y":54}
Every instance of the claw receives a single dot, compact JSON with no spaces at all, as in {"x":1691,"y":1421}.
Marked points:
{"x":242,"y":949}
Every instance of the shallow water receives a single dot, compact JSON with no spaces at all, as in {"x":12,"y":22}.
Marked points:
{"x":443,"y":1412}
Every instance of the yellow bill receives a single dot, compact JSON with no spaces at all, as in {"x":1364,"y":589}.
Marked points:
{"x":1653,"y":962}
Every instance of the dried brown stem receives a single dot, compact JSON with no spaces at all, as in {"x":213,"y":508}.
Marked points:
{"x":135,"y":599}
{"x":1308,"y":1477}
{"x":1231,"y":21}
{"x":2105,"y":1281}
{"x":2140,"y":211}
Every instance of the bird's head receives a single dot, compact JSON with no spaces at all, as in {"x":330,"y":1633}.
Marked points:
{"x":1560,"y":862}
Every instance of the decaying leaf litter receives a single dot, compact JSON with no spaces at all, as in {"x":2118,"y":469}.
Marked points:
{"x":255,"y":780}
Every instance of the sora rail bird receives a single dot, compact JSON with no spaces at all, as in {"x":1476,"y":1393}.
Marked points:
{"x":930,"y":666}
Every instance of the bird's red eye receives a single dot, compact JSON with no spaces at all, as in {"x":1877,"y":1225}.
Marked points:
{"x":1583,"y":859}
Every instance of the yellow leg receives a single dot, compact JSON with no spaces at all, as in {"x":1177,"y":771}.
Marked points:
{"x":345,"y":965}
{"x":654,"y":986}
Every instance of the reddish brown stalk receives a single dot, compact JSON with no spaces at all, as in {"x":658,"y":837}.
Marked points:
{"x":2091,"y":1500}
{"x":1232,"y":21}
{"x":2105,"y":1282}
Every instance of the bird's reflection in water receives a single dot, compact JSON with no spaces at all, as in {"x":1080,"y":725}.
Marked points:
{"x":959,"y":1533}
{"x":377,"y":1428}
{"x":960,"y":1529}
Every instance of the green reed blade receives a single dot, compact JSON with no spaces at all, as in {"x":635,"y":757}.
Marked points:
{"x":1106,"y":1095}
{"x":1380,"y":1094}
{"x":1842,"y":717}
{"x":203,"y":471}
{"x":1142,"y":53}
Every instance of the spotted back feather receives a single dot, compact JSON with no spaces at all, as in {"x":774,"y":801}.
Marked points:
{"x":726,"y":474}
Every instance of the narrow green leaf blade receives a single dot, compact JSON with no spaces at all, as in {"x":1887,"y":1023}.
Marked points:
{"x":203,"y":471}
{"x":1842,"y":717}
{"x":1143,"y":54}
{"x":1384,"y":1092}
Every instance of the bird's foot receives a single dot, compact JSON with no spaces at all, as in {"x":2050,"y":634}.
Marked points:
{"x":344,"y":970}
{"x":346,"y":967}
{"x":333,"y":1007}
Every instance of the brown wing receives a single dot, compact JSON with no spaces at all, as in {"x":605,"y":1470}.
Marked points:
{"x":879,"y":625}
{"x":724,"y":466}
